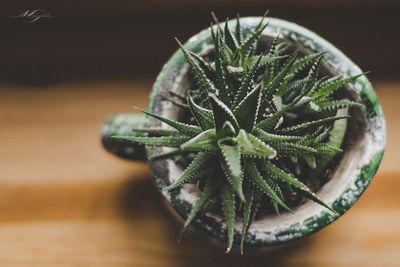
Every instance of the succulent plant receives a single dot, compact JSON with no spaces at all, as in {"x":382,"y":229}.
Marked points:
{"x":260,"y":118}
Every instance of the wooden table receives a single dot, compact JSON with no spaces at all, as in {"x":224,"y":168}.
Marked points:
{"x":66,"y":202}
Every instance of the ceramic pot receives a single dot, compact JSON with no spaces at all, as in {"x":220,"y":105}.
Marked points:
{"x":363,"y":146}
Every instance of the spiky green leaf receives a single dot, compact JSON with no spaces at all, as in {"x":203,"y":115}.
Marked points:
{"x":157,"y":131}
{"x":228,"y":209}
{"x":228,"y":132}
{"x":277,"y":172}
{"x":270,"y":122}
{"x":310,"y":124}
{"x":202,"y":115}
{"x":292,"y":149}
{"x":332,"y":105}
{"x":231,"y":164}
{"x":204,"y":84}
{"x":312,"y":76}
{"x":230,"y":39}
{"x":167,"y":141}
{"x":246,"y":85}
{"x":323,"y":148}
{"x":199,"y":165}
{"x":271,"y":68}
{"x":293,"y":88}
{"x":247,"y":110}
{"x":273,"y":86}
{"x":222,"y":114}
{"x":268,"y":137}
{"x":208,"y":190}
{"x":255,"y":177}
{"x":300,"y":64}
{"x":253,"y":147}
{"x":220,"y":73}
{"x":215,"y":19}
{"x":251,"y":41}
{"x":238,"y":31}
{"x":205,"y":141}
{"x":246,"y":215}
{"x":332,"y":85}
{"x":204,"y":65}
{"x":186,"y":129}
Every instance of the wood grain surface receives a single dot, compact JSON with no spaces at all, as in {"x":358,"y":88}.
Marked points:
{"x":64,"y":201}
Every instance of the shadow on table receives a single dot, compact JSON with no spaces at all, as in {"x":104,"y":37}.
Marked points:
{"x":140,"y":199}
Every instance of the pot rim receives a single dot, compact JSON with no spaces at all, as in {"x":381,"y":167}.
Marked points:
{"x":285,"y":227}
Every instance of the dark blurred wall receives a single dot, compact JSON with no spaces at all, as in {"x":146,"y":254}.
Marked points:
{"x":132,"y":39}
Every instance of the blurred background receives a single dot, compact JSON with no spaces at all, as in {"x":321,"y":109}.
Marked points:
{"x":66,"y":202}
{"x":132,"y":39}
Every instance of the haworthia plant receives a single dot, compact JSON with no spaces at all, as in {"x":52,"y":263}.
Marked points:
{"x":261,"y":123}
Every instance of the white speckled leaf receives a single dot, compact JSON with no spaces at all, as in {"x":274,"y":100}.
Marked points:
{"x":228,"y":208}
{"x":231,"y":164}
{"x":199,"y":165}
{"x":206,"y":141}
{"x":254,"y":147}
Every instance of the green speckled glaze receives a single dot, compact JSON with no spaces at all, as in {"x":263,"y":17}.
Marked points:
{"x":342,"y":191}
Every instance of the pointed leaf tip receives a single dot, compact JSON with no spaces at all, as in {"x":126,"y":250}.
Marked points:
{"x":221,"y":114}
{"x":247,"y":110}
{"x":228,"y":209}
{"x":204,"y":83}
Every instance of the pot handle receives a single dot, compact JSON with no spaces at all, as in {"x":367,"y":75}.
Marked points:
{"x":122,"y":124}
